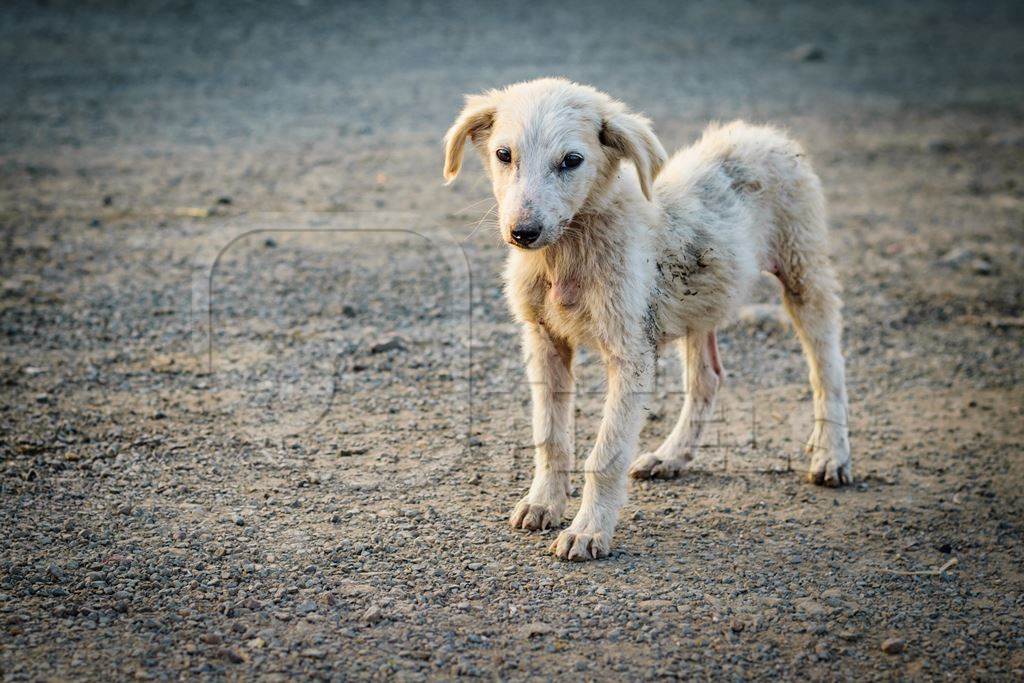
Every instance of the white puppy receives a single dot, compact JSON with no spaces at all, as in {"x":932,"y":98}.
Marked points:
{"x":619,"y":249}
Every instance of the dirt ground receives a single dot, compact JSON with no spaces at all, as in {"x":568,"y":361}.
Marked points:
{"x":262,"y":412}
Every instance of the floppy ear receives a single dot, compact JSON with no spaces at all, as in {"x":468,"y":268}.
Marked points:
{"x":474,"y":122}
{"x":631,"y":136}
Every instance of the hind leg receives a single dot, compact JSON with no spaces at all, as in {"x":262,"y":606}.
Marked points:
{"x":812,"y":301}
{"x":703,"y":374}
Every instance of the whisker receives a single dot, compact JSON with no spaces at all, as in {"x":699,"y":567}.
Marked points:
{"x":480,"y":222}
{"x":471,"y":205}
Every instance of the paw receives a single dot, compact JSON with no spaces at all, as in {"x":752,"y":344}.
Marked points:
{"x":830,"y":470}
{"x":652,"y":466}
{"x":578,"y":546}
{"x":535,"y":517}
{"x":830,"y":458}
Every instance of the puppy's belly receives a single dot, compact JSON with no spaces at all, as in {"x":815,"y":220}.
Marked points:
{"x":698,"y":296}
{"x":680,"y":314}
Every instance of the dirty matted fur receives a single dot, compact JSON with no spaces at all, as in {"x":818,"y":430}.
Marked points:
{"x":621,"y":249}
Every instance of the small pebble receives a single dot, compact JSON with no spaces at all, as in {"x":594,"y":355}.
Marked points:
{"x":807,"y":52}
{"x":893,"y":646}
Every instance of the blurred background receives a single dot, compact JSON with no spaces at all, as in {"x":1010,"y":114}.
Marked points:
{"x":278,"y":103}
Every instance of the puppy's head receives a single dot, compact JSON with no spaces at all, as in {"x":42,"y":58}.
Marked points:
{"x":550,"y":148}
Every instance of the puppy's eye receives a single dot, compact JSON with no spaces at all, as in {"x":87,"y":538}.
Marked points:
{"x":571,"y":161}
{"x":504,"y":155}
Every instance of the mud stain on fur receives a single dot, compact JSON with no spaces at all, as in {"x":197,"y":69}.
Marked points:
{"x":695,"y":260}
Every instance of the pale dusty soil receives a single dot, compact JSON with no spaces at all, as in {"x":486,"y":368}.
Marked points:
{"x":265,"y":496}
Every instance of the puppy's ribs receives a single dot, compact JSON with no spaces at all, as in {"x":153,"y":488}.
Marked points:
{"x":697,"y":260}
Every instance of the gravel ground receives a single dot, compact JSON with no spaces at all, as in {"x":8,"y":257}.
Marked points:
{"x":252,"y":426}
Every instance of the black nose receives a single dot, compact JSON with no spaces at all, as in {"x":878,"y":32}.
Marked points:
{"x":525,"y":234}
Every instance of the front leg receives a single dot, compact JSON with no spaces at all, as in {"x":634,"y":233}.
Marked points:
{"x":549,"y":370}
{"x":604,"y":491}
